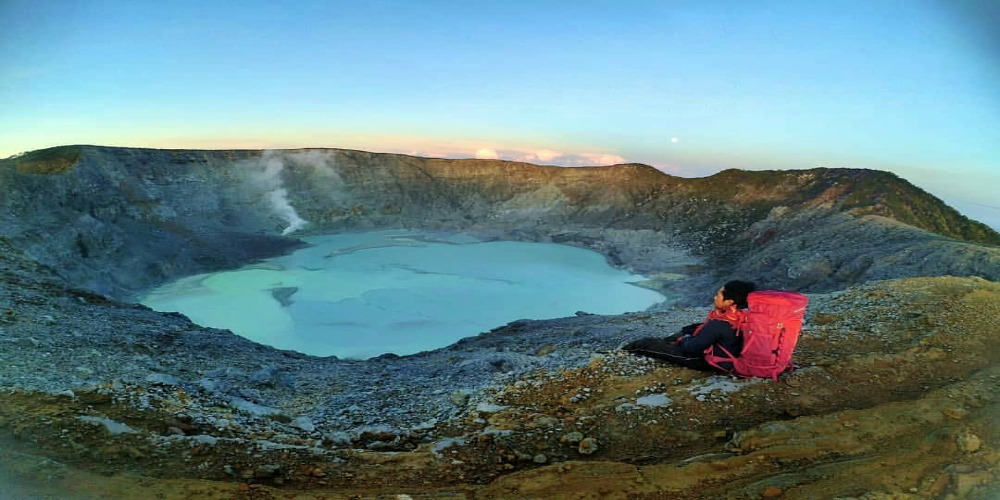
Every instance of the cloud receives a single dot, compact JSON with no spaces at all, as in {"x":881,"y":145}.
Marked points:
{"x":596,"y":159}
{"x":484,"y":149}
{"x":546,"y":155}
{"x":487,"y":154}
{"x":427,"y":154}
{"x":552,"y":157}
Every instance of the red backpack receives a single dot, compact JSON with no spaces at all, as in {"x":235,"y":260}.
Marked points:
{"x":770,"y":330}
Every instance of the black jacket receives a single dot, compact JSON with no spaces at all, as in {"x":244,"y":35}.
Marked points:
{"x":715,"y":332}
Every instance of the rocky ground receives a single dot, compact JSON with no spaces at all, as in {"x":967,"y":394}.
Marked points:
{"x":895,"y":397}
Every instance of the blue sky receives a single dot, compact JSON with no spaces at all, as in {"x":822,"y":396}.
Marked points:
{"x":691,"y":87}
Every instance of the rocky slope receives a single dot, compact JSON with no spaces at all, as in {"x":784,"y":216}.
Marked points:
{"x":895,"y":396}
{"x":117,"y":220}
{"x":102,"y":399}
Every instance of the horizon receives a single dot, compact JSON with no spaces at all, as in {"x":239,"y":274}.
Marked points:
{"x":905,"y":88}
{"x":995,"y":226}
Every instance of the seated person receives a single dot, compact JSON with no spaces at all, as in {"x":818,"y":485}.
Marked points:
{"x":719,"y":331}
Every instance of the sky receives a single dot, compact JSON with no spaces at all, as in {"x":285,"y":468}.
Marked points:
{"x":689,"y":87}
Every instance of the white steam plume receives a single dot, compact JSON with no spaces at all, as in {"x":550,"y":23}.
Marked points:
{"x":277,"y":194}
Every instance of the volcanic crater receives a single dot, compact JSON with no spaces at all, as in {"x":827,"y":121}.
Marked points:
{"x":894,"y":396}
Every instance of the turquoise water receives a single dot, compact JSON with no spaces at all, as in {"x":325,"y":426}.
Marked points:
{"x":361,"y":295}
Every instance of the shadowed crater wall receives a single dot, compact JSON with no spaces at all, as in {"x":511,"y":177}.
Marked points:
{"x":117,"y":221}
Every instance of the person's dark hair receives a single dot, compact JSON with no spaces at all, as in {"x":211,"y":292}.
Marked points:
{"x":737,"y":291}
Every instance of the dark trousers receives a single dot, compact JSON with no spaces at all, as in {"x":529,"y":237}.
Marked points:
{"x":665,"y":349}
